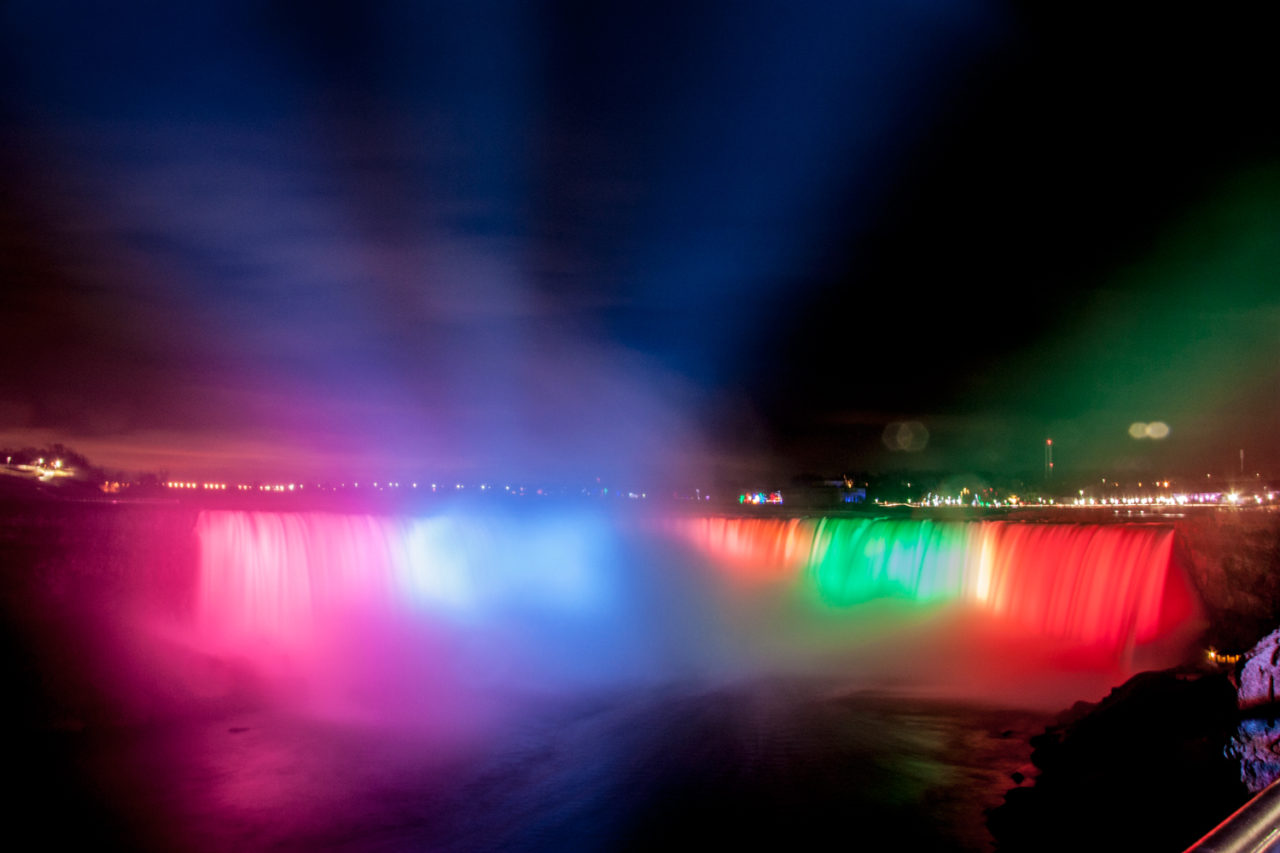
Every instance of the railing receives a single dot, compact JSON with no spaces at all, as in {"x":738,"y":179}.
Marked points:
{"x":1254,"y":828}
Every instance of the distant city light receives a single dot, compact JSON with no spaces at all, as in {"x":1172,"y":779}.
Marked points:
{"x":758,"y":498}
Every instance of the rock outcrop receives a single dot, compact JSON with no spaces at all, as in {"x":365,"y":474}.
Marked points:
{"x":1260,"y":673}
{"x":1143,"y":769}
{"x":1256,"y":742}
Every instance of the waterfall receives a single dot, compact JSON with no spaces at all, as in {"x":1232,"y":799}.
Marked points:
{"x":1106,"y":585}
{"x":417,"y":614}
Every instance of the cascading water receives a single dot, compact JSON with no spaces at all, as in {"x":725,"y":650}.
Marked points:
{"x":1105,"y":586}
{"x":416,"y":613}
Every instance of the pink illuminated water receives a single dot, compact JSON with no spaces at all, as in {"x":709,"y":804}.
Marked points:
{"x":539,"y":680}
{"x":419,"y":618}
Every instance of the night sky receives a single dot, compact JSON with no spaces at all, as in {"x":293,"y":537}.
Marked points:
{"x":650,"y":241}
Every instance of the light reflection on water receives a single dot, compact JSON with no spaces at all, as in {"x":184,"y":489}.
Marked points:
{"x":778,"y":762}
{"x":651,"y":700}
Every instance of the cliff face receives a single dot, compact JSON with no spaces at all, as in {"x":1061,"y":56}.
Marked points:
{"x":78,"y":581}
{"x":1233,"y":559}
{"x":68,"y":552}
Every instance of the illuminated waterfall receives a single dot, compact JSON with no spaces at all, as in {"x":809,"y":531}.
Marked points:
{"x":415,"y":615}
{"x":282,"y":576}
{"x":1100,"y":585}
{"x":378,"y":606}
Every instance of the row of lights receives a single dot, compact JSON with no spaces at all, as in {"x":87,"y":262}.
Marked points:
{"x":222,"y":487}
{"x":975,"y":502}
{"x":289,"y":487}
{"x":1231,"y":499}
{"x":1012,"y":500}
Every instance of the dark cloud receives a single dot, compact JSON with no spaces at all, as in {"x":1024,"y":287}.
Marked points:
{"x":538,"y":237}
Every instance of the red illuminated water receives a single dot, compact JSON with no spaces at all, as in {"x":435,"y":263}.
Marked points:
{"x":367,"y":614}
{"x":1108,"y":587}
{"x":563,"y":681}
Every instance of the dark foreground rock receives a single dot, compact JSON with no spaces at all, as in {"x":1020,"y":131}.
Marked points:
{"x":1256,"y":746}
{"x":1144,"y":769}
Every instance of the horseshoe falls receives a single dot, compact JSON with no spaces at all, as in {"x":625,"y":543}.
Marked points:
{"x":411,"y":619}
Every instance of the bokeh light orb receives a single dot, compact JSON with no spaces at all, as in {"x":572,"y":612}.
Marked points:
{"x":1155,"y":429}
{"x":909,"y":436}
